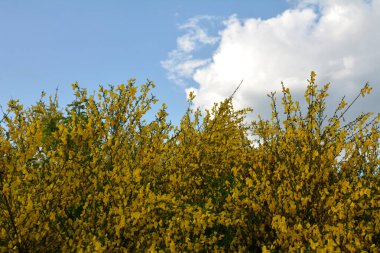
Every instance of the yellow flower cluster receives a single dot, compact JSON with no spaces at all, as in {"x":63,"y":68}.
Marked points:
{"x":98,"y":176}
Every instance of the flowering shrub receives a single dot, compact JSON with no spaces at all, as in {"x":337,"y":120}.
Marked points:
{"x":97,"y":176}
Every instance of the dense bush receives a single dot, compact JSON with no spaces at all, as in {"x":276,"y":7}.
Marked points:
{"x":98,"y":176}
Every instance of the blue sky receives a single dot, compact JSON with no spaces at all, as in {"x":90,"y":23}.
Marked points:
{"x":50,"y":44}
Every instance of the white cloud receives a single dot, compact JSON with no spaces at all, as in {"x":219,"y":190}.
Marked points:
{"x":338,"y":39}
{"x":194,"y":34}
{"x":181,"y":63}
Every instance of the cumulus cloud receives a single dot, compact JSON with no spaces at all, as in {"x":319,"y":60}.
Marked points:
{"x":338,"y":39}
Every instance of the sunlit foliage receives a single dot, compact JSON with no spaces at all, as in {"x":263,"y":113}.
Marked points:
{"x":97,"y":176}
